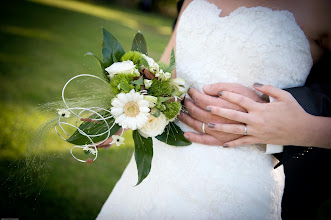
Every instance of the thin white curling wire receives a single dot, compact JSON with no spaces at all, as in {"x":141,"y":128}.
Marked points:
{"x":78,"y":116}
{"x":87,"y":109}
{"x":64,"y":87}
{"x":102,"y":118}
{"x":86,"y":135}
{"x":83,"y":133}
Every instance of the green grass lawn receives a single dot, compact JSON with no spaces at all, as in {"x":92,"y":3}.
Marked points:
{"x":43,"y":43}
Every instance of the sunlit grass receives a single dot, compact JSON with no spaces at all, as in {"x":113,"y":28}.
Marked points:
{"x":31,"y":33}
{"x":126,"y":19}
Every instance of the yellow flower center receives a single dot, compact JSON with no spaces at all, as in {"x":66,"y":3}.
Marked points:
{"x":131,"y":109}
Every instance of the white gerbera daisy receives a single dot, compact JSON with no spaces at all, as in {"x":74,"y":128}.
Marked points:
{"x":118,"y":140}
{"x":130,"y":110}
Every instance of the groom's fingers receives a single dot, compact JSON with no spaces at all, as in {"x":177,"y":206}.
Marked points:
{"x":214,"y":89}
{"x":202,"y":100}
{"x":195,"y":124}
{"x":202,"y":115}
{"x":205,"y":139}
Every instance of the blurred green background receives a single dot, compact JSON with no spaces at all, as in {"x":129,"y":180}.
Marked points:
{"x":43,"y":43}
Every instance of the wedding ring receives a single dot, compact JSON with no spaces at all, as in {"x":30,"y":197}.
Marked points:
{"x":203,"y":128}
{"x":245,"y":133}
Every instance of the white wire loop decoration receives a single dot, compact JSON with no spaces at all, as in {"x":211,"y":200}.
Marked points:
{"x":78,"y":117}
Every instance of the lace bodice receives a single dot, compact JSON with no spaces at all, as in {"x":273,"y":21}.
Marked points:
{"x":250,"y":45}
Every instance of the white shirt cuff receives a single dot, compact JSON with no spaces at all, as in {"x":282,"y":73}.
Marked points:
{"x":269,"y":148}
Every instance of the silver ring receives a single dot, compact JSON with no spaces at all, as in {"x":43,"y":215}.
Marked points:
{"x":203,"y":128}
{"x":245,"y":133}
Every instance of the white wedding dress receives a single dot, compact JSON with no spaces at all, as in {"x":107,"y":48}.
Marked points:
{"x":211,"y":182}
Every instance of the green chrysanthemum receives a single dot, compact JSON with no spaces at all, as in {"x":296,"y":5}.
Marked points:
{"x":159,"y":88}
{"x":120,"y":78}
{"x":172,"y":109}
{"x":134,"y":56}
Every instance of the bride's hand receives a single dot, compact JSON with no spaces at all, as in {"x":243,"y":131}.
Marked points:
{"x":199,"y":115}
{"x":280,"y":122}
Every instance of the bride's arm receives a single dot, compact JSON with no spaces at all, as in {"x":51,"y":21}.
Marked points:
{"x":165,"y":58}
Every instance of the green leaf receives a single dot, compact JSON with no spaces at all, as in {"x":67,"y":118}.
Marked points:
{"x":173,"y":135}
{"x":143,"y":153}
{"x":144,"y":62}
{"x":157,"y":113}
{"x":139,"y":43}
{"x":93,"y":128}
{"x":172,"y":64}
{"x":125,"y":86}
{"x":163,"y":99}
{"x":112,"y":50}
{"x":102,"y":66}
{"x":139,"y":81}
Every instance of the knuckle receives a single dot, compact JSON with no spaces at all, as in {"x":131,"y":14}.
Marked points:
{"x":186,"y":119}
{"x":233,"y":114}
{"x":268,"y":87}
{"x":204,"y":141}
{"x":241,"y":99}
{"x":243,"y":142}
{"x":197,"y":126}
{"x":218,"y":127}
{"x":237,"y":130}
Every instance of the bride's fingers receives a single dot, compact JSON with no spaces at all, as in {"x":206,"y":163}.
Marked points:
{"x":245,"y":140}
{"x":240,"y":100}
{"x":205,"y":139}
{"x":230,"y":114}
{"x":231,"y":128}
{"x":271,"y":91}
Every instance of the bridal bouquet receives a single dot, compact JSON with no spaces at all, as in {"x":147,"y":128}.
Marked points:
{"x":144,"y":98}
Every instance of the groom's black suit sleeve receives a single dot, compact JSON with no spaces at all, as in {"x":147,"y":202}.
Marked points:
{"x":307,"y":193}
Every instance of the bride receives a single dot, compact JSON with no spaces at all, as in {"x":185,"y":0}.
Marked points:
{"x":211,"y":182}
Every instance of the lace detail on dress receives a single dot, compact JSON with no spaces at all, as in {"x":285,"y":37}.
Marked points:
{"x":210,"y":182}
{"x":250,"y":45}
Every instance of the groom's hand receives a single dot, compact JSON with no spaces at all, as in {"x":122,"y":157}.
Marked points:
{"x":197,"y":112}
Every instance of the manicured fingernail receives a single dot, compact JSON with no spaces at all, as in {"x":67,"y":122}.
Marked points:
{"x":211,"y":125}
{"x":186,"y":136}
{"x":208,"y":109}
{"x":206,"y":87}
{"x":258,"y":84}
{"x":220,"y":93}
{"x":225,"y":146}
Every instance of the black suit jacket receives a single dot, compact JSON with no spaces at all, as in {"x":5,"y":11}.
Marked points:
{"x":307,"y":193}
